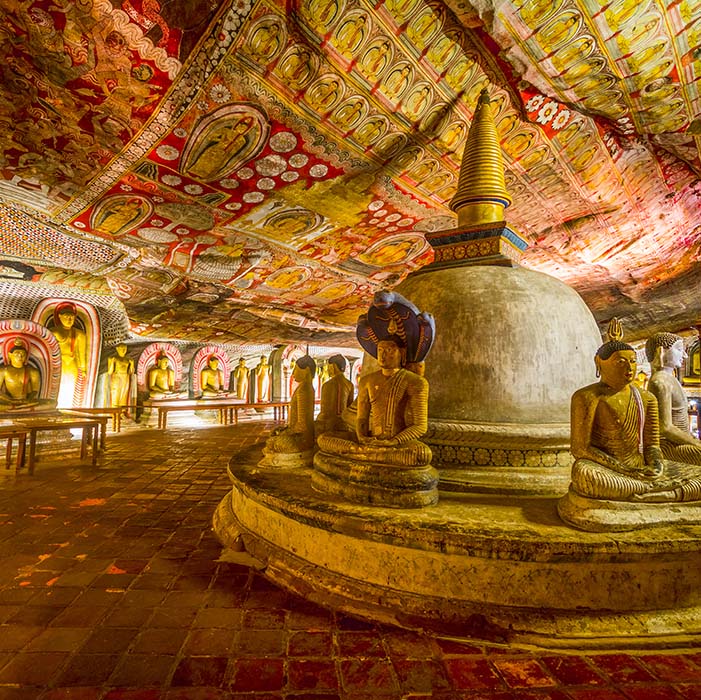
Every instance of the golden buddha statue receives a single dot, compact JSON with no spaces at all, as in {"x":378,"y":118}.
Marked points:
{"x":20,"y":383}
{"x":73,"y":344}
{"x":665,"y":353}
{"x":161,"y":379}
{"x":120,"y":372}
{"x":293,"y":445}
{"x":212,"y":380}
{"x":336,"y":395}
{"x":262,"y":380}
{"x":615,"y":438}
{"x":385,"y":463}
{"x":239,"y":380}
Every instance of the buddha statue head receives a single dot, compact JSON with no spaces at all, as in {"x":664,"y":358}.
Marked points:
{"x":665,"y":350}
{"x":65,"y":314}
{"x":336,"y":365}
{"x":121,"y":350}
{"x":616,"y":364}
{"x":17,"y":352}
{"x":391,"y":353}
{"x":305,"y":369}
{"x":213,"y":362}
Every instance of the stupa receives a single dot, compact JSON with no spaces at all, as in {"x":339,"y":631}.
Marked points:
{"x":514,"y":343}
{"x":491,"y":559}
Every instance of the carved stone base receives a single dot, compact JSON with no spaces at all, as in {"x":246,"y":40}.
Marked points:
{"x":598,"y":515}
{"x":472,"y":566}
{"x":287,"y":460}
{"x":371,"y":484}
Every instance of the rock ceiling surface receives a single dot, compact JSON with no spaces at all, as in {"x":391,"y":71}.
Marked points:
{"x":255,"y":170}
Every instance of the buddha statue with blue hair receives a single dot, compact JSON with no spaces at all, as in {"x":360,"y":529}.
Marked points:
{"x":385,"y":463}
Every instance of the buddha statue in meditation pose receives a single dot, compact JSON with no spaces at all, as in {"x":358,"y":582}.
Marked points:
{"x":292,"y":445}
{"x":615,"y":439}
{"x":161,"y":379}
{"x":19,"y":381}
{"x":212,"y":379}
{"x":665,"y":353}
{"x":336,"y":395}
{"x":385,"y":463}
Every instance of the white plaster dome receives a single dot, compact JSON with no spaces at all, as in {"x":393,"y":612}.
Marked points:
{"x":512,"y":345}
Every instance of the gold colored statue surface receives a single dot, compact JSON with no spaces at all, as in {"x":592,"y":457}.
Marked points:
{"x":298,"y":435}
{"x":263,"y":380}
{"x":239,"y":382}
{"x":615,"y":438}
{"x":212,"y":379}
{"x":665,"y":352}
{"x":161,"y":379}
{"x":73,"y":344}
{"x":336,"y":396}
{"x":120,"y":370}
{"x":20,"y":383}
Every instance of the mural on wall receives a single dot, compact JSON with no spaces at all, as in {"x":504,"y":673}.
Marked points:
{"x":256,"y":170}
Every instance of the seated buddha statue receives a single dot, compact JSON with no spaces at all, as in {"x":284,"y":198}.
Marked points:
{"x":615,"y":438}
{"x":20,"y":383}
{"x":292,"y":445}
{"x":336,"y":395}
{"x":212,"y":379}
{"x":665,"y":353}
{"x":161,"y":379}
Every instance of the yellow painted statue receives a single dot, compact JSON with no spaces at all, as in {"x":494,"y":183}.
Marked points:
{"x":336,"y":395}
{"x":239,"y":383}
{"x":73,"y":344}
{"x":161,"y":379}
{"x":665,"y":353}
{"x":120,"y":370}
{"x":212,"y":380}
{"x":292,"y":445}
{"x":615,"y":438}
{"x":262,"y":380}
{"x":20,"y":383}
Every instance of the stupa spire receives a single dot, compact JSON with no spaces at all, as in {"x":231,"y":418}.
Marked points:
{"x":481,"y":196}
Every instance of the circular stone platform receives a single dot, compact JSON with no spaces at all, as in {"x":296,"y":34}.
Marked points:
{"x":499,"y":568}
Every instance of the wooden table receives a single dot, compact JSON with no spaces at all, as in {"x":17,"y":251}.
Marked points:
{"x":114,"y":412}
{"x":280,"y":409}
{"x":227,"y":409}
{"x":90,"y":427}
{"x":9,"y":433}
{"x":102,"y":418}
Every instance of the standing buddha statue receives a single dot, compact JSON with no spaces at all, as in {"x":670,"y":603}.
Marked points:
{"x":120,"y":371}
{"x":73,"y":344}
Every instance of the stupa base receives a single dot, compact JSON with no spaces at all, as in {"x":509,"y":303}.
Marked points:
{"x":502,"y":569}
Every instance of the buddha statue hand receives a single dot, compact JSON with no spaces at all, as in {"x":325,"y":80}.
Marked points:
{"x":379,"y":442}
{"x":669,"y":496}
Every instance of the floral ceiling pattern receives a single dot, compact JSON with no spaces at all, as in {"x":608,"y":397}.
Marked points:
{"x":256,"y":170}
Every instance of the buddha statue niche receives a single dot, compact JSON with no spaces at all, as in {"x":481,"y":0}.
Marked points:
{"x":385,"y":463}
{"x":336,"y":395}
{"x":665,"y":353}
{"x":20,"y":383}
{"x":161,"y":379}
{"x":293,"y":445}
{"x":212,"y":379}
{"x":73,"y":344}
{"x":619,"y":474}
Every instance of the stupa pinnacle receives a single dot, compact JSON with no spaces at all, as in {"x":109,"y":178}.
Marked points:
{"x":481,"y":196}
{"x":482,"y":236}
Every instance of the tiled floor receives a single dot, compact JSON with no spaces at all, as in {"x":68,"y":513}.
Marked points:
{"x":110,"y":589}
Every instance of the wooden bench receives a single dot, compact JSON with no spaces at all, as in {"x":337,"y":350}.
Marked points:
{"x":9,"y":433}
{"x":114,"y":412}
{"x":90,"y":436}
{"x":102,"y":418}
{"x":280,"y":409}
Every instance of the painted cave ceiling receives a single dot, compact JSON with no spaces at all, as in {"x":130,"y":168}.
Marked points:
{"x":256,"y":170}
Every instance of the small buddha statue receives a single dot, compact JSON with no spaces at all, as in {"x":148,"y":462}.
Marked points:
{"x":615,"y":438}
{"x":212,"y":379}
{"x":73,"y":344}
{"x":161,"y":379}
{"x":20,"y":383}
{"x":336,"y":395}
{"x":262,"y":380}
{"x":293,"y":444}
{"x":665,"y":353}
{"x":120,"y":372}
{"x":239,"y":380}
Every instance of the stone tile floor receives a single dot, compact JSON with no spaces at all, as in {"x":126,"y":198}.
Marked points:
{"x":110,"y":589}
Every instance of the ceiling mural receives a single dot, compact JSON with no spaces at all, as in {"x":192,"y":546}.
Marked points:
{"x":256,"y":170}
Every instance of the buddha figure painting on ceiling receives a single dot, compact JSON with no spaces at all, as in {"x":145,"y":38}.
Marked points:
{"x":665,"y":353}
{"x":385,"y":463}
{"x":292,"y":446}
{"x":20,"y":382}
{"x":115,"y":216}
{"x":615,"y":440}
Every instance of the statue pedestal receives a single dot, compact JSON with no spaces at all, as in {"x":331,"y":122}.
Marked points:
{"x":472,"y":566}
{"x":287,"y":460}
